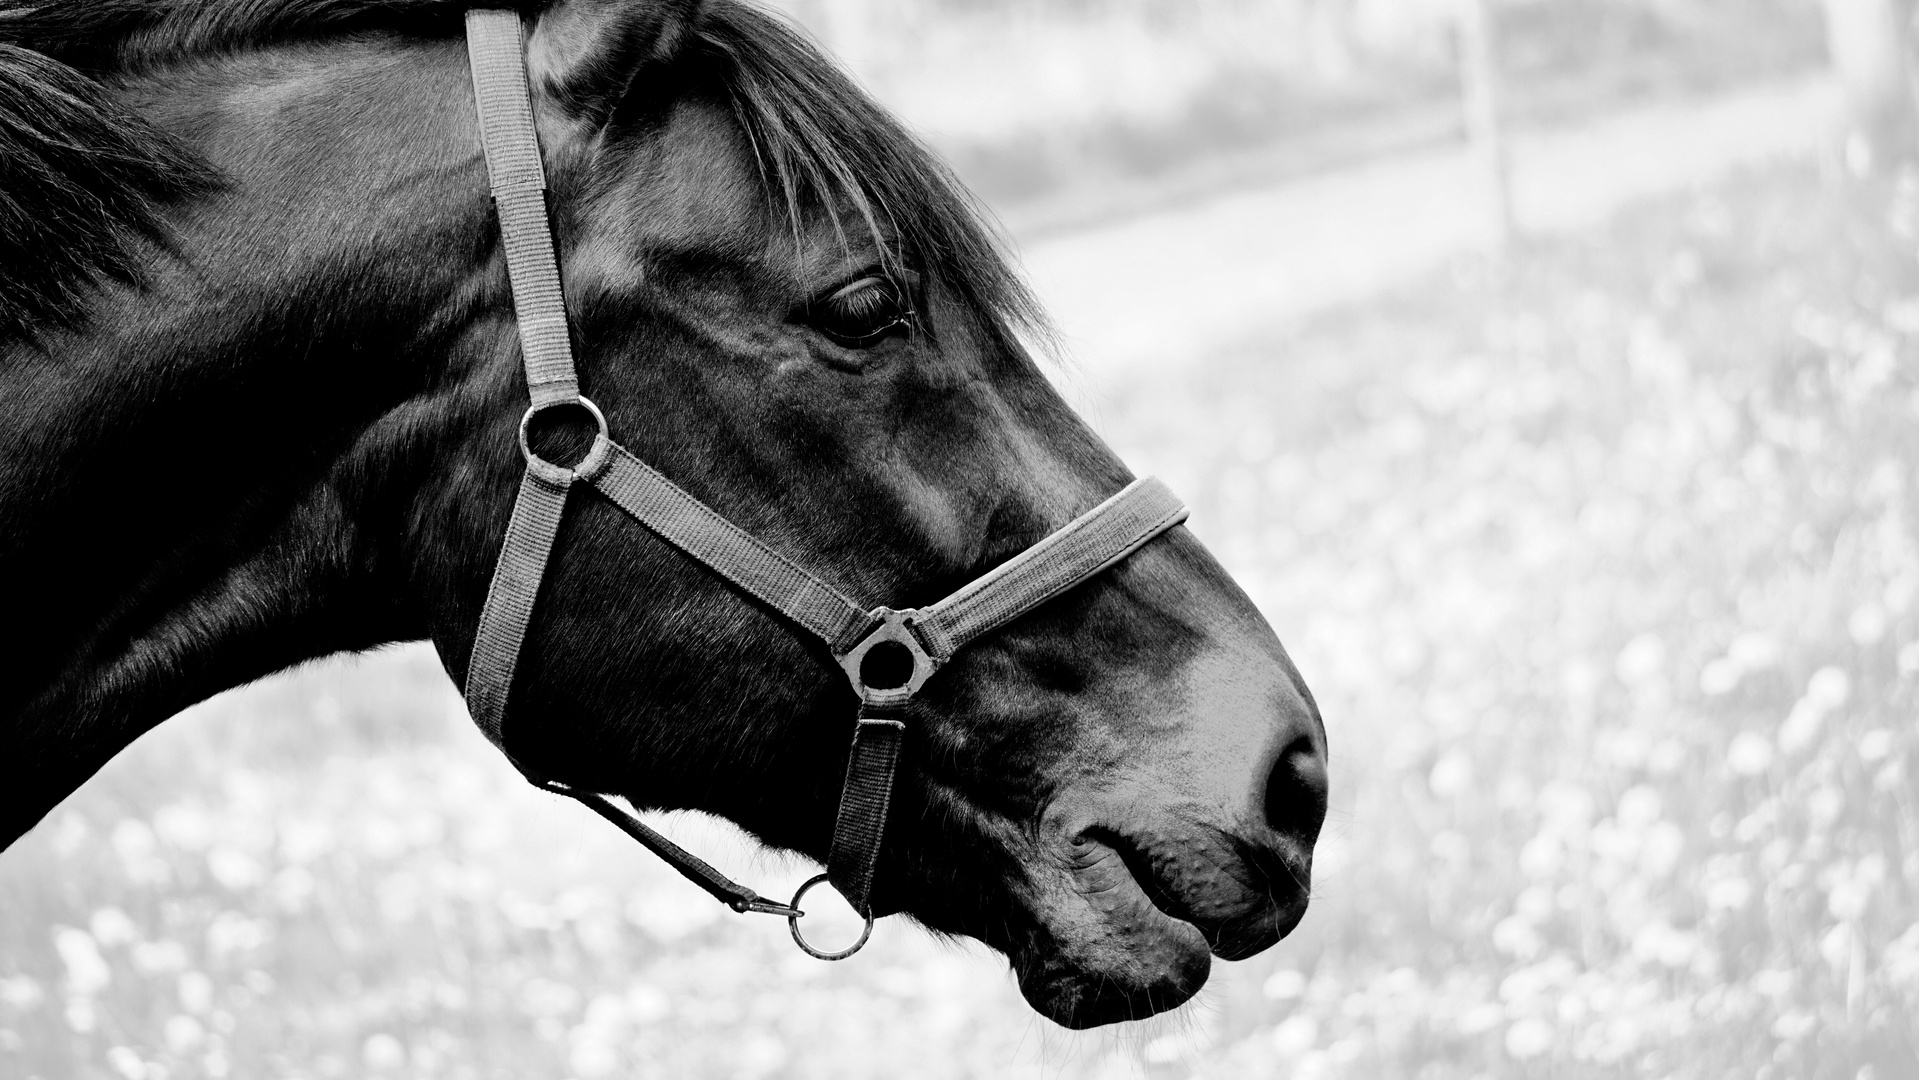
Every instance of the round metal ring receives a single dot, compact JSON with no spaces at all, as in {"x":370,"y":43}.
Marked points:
{"x":893,"y":627}
{"x":793,"y":924}
{"x":589,"y":466}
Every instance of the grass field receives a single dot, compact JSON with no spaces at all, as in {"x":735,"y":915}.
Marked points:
{"x":1603,"y":566}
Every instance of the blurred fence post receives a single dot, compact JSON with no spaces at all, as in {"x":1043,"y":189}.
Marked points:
{"x":1330,"y":39}
{"x":1478,"y":53}
{"x":1870,"y":42}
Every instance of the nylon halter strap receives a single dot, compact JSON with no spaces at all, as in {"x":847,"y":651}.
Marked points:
{"x":1084,"y":547}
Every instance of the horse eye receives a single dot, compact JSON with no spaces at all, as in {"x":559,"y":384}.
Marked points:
{"x":862,"y":313}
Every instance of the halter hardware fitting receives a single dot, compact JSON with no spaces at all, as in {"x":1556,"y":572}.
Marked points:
{"x":588,"y":466}
{"x":895,"y":627}
{"x":854,"y":633}
{"x":793,"y":924}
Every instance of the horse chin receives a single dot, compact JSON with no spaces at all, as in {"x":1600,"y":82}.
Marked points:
{"x":1100,"y":951}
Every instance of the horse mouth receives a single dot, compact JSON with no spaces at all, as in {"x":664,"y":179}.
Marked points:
{"x":1133,"y":928}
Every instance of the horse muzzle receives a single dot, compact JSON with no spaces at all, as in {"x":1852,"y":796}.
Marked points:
{"x":1200,"y":847}
{"x":1130,"y":921}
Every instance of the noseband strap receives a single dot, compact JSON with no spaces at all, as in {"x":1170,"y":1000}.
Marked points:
{"x":930,"y":636}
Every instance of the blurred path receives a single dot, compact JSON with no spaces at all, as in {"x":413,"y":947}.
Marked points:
{"x":1161,"y":290}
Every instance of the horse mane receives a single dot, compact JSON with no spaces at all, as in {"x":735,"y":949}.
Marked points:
{"x":82,"y":184}
{"x":98,"y":177}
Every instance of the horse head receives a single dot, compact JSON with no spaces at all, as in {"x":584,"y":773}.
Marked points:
{"x":781,"y":302}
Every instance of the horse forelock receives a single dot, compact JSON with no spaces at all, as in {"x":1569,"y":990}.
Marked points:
{"x":821,"y":144}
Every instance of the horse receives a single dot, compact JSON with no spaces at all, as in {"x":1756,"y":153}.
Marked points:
{"x":260,"y":354}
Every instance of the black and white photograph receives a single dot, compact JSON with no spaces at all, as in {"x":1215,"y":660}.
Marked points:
{"x":959,"y":539}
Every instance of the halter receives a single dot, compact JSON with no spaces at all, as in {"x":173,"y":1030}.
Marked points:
{"x":853,"y":632}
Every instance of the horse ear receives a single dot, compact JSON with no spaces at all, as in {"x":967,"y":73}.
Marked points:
{"x":589,"y":53}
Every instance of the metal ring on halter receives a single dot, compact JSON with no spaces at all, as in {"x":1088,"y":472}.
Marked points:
{"x":793,"y":923}
{"x":896,"y":627}
{"x":588,"y":467}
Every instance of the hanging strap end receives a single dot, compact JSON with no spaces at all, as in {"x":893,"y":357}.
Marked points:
{"x":760,"y":905}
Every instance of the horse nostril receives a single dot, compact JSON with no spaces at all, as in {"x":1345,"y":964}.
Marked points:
{"x":1296,"y":791}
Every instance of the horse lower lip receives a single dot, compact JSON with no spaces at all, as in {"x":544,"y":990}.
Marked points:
{"x":1108,"y":953}
{"x":1235,"y":932}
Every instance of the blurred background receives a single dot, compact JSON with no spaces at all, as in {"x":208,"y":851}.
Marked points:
{"x":1545,"y":369}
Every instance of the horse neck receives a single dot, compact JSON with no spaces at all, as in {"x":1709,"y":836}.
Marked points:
{"x":194,"y":486}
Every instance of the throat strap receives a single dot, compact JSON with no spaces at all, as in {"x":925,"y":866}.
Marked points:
{"x":865,"y":801}
{"x":495,"y":49}
{"x":528,"y":546}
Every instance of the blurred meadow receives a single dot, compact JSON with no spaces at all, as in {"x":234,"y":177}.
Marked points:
{"x":1600,"y":552}
{"x":1059,"y":110}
